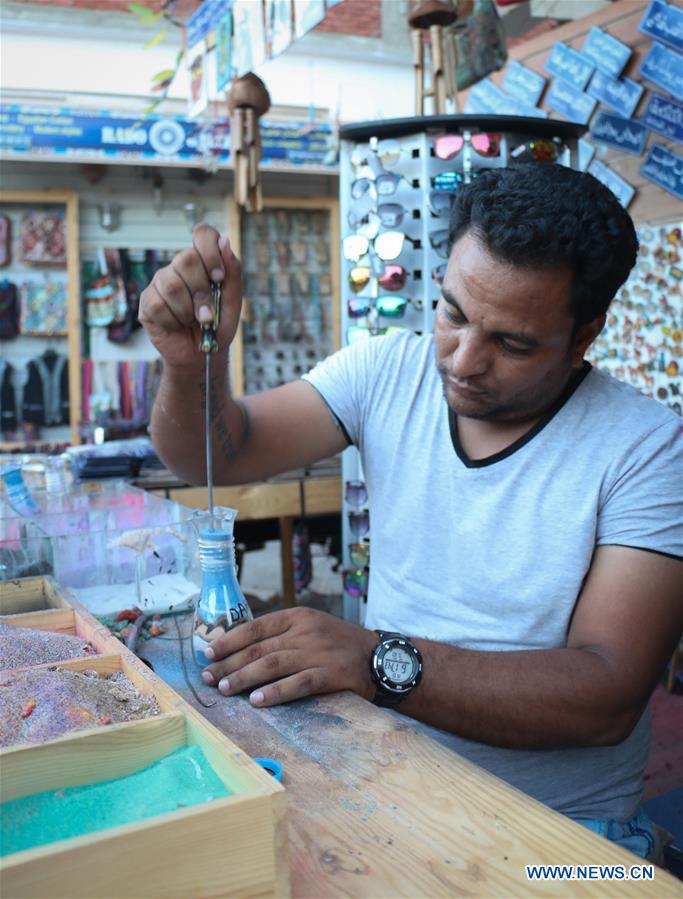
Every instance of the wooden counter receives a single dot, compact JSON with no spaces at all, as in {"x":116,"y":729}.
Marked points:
{"x":377,"y":809}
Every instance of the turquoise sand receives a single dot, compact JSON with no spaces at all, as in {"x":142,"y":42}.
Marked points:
{"x":178,"y":780}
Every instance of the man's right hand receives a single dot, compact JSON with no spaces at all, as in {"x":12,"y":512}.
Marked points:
{"x":178,"y":299}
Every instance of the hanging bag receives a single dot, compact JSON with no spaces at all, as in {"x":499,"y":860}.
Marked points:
{"x":98,"y":292}
{"x":5,"y":241}
{"x":9,"y":310}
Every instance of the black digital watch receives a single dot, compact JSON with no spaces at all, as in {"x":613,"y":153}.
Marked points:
{"x":396,"y":667}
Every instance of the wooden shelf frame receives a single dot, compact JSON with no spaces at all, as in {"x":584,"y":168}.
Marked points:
{"x":69,"y":200}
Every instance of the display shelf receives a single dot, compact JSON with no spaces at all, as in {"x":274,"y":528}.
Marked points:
{"x":30,"y":266}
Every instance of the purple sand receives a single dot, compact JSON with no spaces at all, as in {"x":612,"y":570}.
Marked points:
{"x":21,"y":647}
{"x":66,"y":701}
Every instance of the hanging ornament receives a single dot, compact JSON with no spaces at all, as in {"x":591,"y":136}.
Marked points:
{"x":248,"y":99}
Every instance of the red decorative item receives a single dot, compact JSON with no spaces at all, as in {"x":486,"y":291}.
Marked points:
{"x":28,"y":708}
{"x":5,"y":241}
{"x":42,"y":239}
{"x":128,"y":615}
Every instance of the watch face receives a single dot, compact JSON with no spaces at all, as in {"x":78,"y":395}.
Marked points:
{"x":399,"y":665}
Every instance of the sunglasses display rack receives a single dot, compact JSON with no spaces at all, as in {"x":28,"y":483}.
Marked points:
{"x":398,"y":179}
{"x":287,"y":273}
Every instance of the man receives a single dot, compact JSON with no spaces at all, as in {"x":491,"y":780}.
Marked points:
{"x":527,"y":534}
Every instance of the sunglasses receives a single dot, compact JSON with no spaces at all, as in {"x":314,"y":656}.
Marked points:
{"x":439,"y":241}
{"x":355,"y":582}
{"x":438,"y":273}
{"x":388,"y":245}
{"x":388,"y":214}
{"x":392,"y":277}
{"x":359,"y":554}
{"x":451,"y":181}
{"x":359,"y":523}
{"x":359,"y":276}
{"x":441,"y":202}
{"x":387,"y":307}
{"x":358,"y":333}
{"x":541,"y":150}
{"x":355,"y":493}
{"x":388,"y":151}
{"x":391,"y":214}
{"x":446,"y":146}
{"x":367,"y":224}
{"x":385,"y":184}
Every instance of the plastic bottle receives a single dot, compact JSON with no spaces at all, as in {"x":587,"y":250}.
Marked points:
{"x":17,"y":493}
{"x":221,"y":604}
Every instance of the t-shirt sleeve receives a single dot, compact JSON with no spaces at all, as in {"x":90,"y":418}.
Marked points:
{"x":643,"y":507}
{"x":344,"y":381}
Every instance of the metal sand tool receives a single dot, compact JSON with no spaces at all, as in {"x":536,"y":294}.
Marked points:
{"x":208,"y":345}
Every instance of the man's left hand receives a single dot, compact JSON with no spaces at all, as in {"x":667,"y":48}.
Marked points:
{"x":291,"y":654}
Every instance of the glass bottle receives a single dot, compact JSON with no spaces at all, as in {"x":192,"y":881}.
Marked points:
{"x":221,"y":604}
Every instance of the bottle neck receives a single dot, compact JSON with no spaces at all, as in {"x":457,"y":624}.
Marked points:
{"x":216,"y":551}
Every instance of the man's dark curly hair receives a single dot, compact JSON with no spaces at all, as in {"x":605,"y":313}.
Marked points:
{"x":542,"y":215}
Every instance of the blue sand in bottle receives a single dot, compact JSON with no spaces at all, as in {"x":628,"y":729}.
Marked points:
{"x":178,"y":780}
{"x":211,"y":534}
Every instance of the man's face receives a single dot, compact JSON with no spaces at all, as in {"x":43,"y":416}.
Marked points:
{"x":504,"y":338}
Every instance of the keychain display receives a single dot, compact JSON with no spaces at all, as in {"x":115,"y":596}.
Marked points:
{"x":286,"y":261}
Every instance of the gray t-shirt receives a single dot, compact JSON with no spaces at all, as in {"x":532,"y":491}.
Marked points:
{"x":491,"y":554}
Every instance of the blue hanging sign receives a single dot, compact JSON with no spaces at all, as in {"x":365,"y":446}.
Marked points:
{"x":621,"y":94}
{"x":624,"y":134}
{"x":663,"y":22}
{"x":665,"y":169}
{"x":523,"y":83}
{"x":606,"y":52}
{"x":664,"y":116}
{"x":621,"y":189}
{"x":573,"y":104}
{"x":569,"y":65}
{"x":63,"y":133}
{"x":664,"y":68}
{"x":486,"y":97}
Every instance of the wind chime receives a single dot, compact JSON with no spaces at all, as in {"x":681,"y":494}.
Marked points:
{"x":431,"y":17}
{"x":248,"y":99}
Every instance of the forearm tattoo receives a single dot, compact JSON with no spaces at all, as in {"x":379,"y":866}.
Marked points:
{"x":226,"y":441}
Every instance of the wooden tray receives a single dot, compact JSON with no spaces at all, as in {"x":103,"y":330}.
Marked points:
{"x":31,"y":594}
{"x":235,"y":846}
